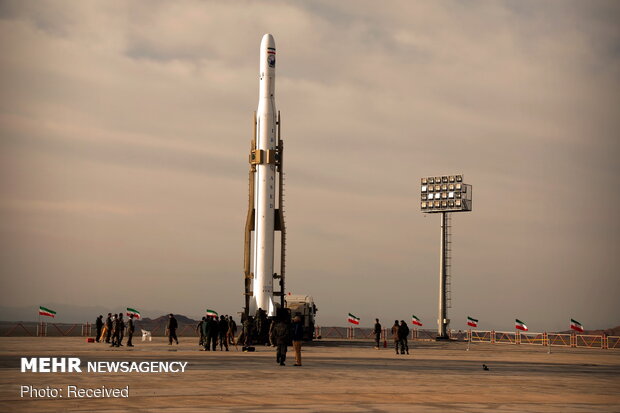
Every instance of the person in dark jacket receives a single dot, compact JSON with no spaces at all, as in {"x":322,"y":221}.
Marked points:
{"x":199,"y":330}
{"x":222,"y":329}
{"x":297,"y":333}
{"x":403,"y":333}
{"x":115,"y":334}
{"x":261,"y":327}
{"x":205,"y":333}
{"x":377,"y":333}
{"x":108,"y":326}
{"x":121,"y":329}
{"x":395,"y":329}
{"x":232,"y":330}
{"x":211,"y":333}
{"x":172,"y":329}
{"x":130,"y":330}
{"x":99,"y":327}
{"x":279,"y":337}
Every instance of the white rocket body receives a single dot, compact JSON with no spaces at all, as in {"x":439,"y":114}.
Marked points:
{"x":265,"y":183}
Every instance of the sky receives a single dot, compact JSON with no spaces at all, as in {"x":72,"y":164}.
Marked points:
{"x":125,"y":131}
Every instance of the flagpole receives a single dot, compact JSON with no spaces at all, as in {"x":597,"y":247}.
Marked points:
{"x":468,"y":338}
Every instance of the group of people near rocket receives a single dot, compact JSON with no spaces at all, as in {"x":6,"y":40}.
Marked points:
{"x":259,"y":329}
{"x":278,"y":332}
{"x":113,"y":330}
{"x":213,"y":331}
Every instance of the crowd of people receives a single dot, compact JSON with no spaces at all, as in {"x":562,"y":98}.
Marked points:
{"x":259,"y":329}
{"x":113,"y":330}
{"x":278,"y":332}
{"x":214,"y":331}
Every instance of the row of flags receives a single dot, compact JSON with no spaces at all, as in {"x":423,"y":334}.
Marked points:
{"x":130,"y":311}
{"x":472,"y":322}
{"x":51,"y":313}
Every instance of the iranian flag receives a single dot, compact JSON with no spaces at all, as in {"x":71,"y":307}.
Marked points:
{"x":47,"y":312}
{"x":472,"y":322}
{"x":353,"y":320}
{"x":134,"y":312}
{"x":520,"y":325}
{"x":415,"y":320}
{"x":576,"y":325}
{"x":211,"y":313}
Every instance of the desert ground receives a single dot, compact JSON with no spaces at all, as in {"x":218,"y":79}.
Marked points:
{"x":335,"y":377}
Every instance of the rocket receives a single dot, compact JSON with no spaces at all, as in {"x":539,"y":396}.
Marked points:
{"x":265,"y":183}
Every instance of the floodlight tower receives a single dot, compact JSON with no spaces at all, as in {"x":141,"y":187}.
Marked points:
{"x":444,"y":194}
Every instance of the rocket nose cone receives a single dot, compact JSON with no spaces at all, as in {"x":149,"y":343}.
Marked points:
{"x":267,"y":55}
{"x":267,"y":42}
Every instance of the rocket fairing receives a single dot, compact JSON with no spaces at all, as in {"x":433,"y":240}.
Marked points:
{"x":265,"y":183}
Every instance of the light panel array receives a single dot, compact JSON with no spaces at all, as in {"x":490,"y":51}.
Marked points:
{"x":445,"y":193}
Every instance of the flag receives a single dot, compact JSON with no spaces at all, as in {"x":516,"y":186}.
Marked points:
{"x":46,"y":311}
{"x":415,"y":320}
{"x":211,"y":313}
{"x":520,"y":325}
{"x":576,"y":325}
{"x":353,"y":320}
{"x":134,"y":312}
{"x":472,"y":322}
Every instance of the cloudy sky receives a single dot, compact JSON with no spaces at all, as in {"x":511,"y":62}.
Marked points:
{"x":125,"y":128}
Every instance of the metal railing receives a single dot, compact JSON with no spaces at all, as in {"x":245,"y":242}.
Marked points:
{"x":563,"y":340}
{"x":544,"y":339}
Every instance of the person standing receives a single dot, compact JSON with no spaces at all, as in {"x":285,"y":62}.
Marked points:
{"x":232,"y":330}
{"x":403,"y":333}
{"x":248,"y":331}
{"x":121,"y":329}
{"x":211,"y":333}
{"x":377,"y":333}
{"x":99,"y":327}
{"x":206,"y":332}
{"x":279,"y":337}
{"x":222,"y":329}
{"x":130,"y":330}
{"x":395,"y":329}
{"x":172,"y":329}
{"x":298,"y":336}
{"x":109,"y":325}
{"x":261,"y":326}
{"x":114,"y":331}
{"x":199,"y":330}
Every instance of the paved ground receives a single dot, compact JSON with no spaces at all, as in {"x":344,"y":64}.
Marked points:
{"x":436,"y":377}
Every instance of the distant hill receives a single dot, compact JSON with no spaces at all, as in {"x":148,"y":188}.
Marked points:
{"x":159,"y":324}
{"x":181,"y":319}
